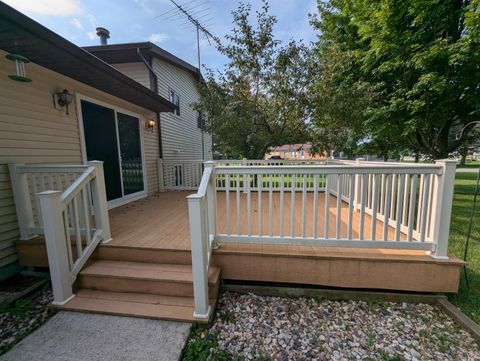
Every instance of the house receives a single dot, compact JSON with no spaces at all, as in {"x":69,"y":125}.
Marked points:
{"x":294,"y":152}
{"x":182,"y":136}
{"x":81,"y":167}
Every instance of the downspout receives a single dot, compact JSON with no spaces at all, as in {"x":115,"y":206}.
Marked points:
{"x":154,"y":88}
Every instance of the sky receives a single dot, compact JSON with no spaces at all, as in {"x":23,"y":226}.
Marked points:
{"x":154,"y":20}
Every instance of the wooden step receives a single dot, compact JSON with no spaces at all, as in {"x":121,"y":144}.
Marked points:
{"x":141,"y":277}
{"x":143,"y":254}
{"x":134,"y":305}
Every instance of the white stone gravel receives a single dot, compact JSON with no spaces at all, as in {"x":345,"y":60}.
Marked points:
{"x":279,"y":328}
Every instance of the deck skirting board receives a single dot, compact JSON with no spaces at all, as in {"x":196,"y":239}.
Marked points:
{"x":389,"y":274}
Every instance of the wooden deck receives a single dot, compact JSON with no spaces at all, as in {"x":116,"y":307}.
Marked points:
{"x":161,"y":221}
{"x":155,"y":230}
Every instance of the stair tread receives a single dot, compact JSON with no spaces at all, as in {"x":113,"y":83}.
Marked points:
{"x":133,"y":304}
{"x":145,"y":271}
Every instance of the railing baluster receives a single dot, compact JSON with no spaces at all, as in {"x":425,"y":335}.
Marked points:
{"x":259,"y":210}
{"x":249,"y":210}
{"x":282,"y":194}
{"x":327,"y":204}
{"x":78,"y":236}
{"x":270,"y":206}
{"x":425,"y":199}
{"x":304,"y":207}
{"x":338,"y":220}
{"x":399,"y":212}
{"x":411,"y":209}
{"x":408,"y":179}
{"x":86,"y":216}
{"x":373,"y":229}
{"x":420,"y":203}
{"x":227,"y":202}
{"x":387,"y":205}
{"x":351,"y":201}
{"x":315,"y":205}
{"x":292,"y":204}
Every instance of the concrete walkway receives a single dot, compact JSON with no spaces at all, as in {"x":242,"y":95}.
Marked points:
{"x":467,"y":170}
{"x":70,"y":336}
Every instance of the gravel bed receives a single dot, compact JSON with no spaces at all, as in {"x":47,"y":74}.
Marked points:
{"x":276,"y":328}
{"x":20,"y":319}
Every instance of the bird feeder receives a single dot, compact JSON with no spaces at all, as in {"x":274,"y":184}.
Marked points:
{"x":20,"y":62}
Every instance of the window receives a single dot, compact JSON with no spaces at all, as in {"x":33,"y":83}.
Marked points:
{"x":200,"y":120}
{"x":175,"y":99}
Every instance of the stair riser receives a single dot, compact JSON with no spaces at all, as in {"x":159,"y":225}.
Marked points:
{"x":143,"y":255}
{"x":166,"y":288}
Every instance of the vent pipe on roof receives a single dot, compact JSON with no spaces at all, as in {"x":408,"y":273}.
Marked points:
{"x":104,"y":35}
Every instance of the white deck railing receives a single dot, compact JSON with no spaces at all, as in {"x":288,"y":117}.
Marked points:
{"x":339,"y":205}
{"x":184,"y":174}
{"x":68,"y":206}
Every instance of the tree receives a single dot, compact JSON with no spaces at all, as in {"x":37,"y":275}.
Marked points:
{"x":422,"y":60}
{"x":260,"y":99}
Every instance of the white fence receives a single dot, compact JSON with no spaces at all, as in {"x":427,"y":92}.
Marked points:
{"x":346,"y":204}
{"x":68,"y":206}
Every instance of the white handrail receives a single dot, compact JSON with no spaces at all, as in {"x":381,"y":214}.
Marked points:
{"x":71,"y":213}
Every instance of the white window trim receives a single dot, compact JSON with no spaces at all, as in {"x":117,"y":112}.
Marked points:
{"x":129,"y":197}
{"x":170,"y":91}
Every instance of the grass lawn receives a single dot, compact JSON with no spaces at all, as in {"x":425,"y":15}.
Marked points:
{"x":474,"y":164}
{"x":468,"y":300}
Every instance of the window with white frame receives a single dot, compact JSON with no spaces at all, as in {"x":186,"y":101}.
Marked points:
{"x":175,"y":99}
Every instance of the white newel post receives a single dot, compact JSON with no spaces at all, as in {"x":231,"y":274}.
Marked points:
{"x":23,"y":202}
{"x":56,"y":242}
{"x":211,"y":200}
{"x":196,"y":214}
{"x":161,"y":186}
{"x":99,"y":197}
{"x":442,"y":207}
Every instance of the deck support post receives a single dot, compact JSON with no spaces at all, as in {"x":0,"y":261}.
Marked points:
{"x":196,"y":211}
{"x":23,"y":202}
{"x":56,"y":243}
{"x":442,"y":207}
{"x":99,"y":196}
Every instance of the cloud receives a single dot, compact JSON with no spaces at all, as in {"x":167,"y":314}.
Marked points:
{"x":159,"y":37}
{"x":92,"y":34}
{"x":77,"y":24}
{"x":47,"y":7}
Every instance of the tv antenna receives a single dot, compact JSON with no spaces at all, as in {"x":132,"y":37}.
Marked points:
{"x":196,"y":13}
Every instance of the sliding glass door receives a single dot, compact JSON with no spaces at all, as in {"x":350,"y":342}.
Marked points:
{"x":114,"y":137}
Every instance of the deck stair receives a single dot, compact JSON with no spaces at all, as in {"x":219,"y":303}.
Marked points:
{"x":116,"y":282}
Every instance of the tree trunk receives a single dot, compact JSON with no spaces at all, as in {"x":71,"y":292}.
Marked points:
{"x":463,"y":159}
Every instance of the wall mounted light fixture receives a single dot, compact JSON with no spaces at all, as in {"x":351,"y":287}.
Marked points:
{"x":63,"y":99}
{"x":150,"y":125}
{"x":20,"y":62}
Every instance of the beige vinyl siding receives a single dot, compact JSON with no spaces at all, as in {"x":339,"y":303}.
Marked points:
{"x":136,"y":71}
{"x":181,"y":138}
{"x":33,"y":131}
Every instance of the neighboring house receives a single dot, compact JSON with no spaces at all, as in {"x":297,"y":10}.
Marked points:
{"x":182,"y":136}
{"x":294,"y":152}
{"x":108,"y":119}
